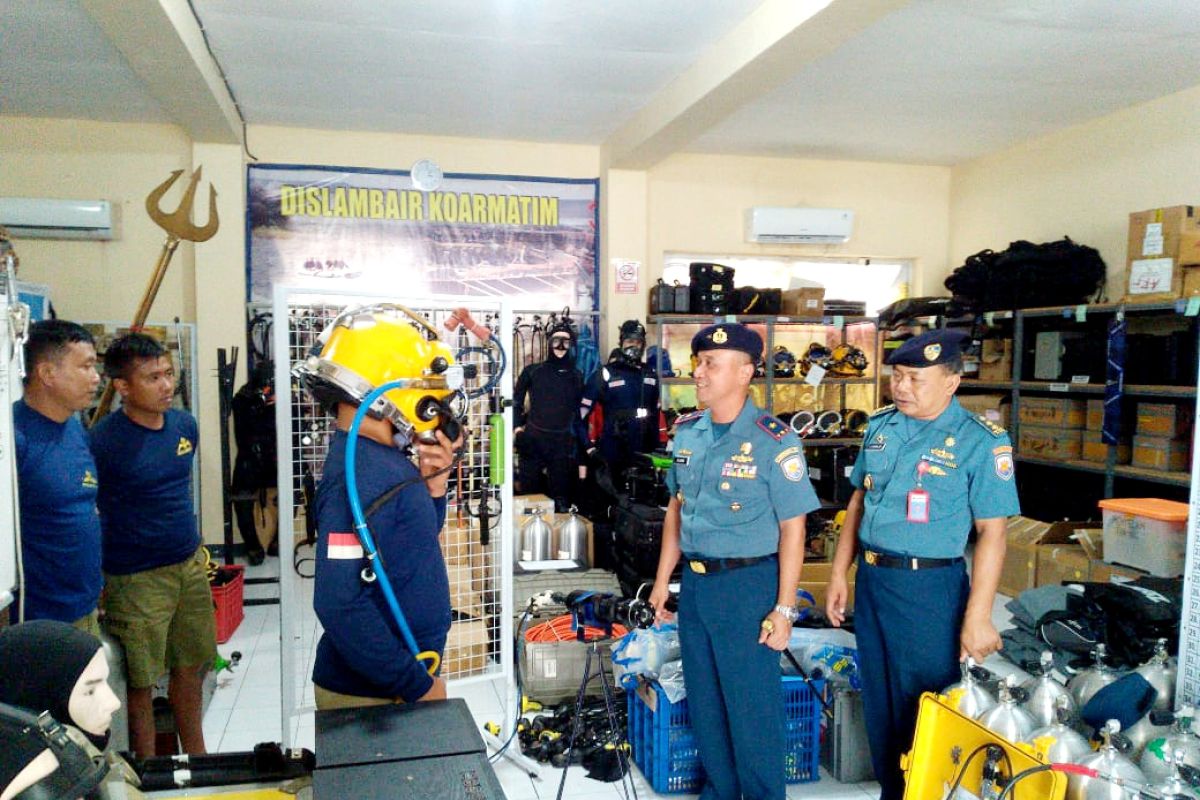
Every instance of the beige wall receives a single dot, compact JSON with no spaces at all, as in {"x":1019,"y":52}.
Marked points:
{"x":120,"y":163}
{"x":697,"y":203}
{"x":1081,"y":182}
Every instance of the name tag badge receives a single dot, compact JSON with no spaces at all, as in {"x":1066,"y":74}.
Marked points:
{"x":918,"y":505}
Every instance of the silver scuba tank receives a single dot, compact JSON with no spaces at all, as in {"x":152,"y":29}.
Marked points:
{"x":1058,"y":742}
{"x":1007,"y":718}
{"x":968,"y":697}
{"x":1109,"y":761}
{"x":1141,"y":733}
{"x":1160,"y":672}
{"x":1174,"y":787}
{"x":573,"y":539}
{"x":1045,"y":695}
{"x":1093,"y":679}
{"x":1156,"y":758}
{"x":536,"y":536}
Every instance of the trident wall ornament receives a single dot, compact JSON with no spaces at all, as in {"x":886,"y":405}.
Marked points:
{"x":179,"y":227}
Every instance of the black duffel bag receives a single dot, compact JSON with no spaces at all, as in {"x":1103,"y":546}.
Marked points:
{"x":637,"y":534}
{"x":751,"y":300}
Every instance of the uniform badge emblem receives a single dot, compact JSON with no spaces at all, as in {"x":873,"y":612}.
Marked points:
{"x":932,"y":351}
{"x":950,"y":440}
{"x":184,"y":447}
{"x":869,"y":483}
{"x":878,"y":443}
{"x":1004,"y":466}
{"x":746,"y":448}
{"x":89,"y":480}
{"x":720,"y":336}
{"x":794,"y":468}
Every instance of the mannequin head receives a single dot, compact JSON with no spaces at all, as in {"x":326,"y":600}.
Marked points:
{"x":52,"y":666}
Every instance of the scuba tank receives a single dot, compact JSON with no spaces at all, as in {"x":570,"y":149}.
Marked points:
{"x":1173,"y":787}
{"x":1107,"y":761}
{"x":573,"y":539}
{"x":1144,"y":731}
{"x":536,"y":536}
{"x":1160,"y":673}
{"x":1084,"y":685}
{"x":1182,"y":741}
{"x":1045,"y":696}
{"x":1058,"y":742}
{"x":968,"y":697}
{"x":1007,"y":718}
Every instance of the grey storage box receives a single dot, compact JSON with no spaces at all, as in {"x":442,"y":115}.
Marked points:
{"x":551,"y":671}
{"x":845,"y":754}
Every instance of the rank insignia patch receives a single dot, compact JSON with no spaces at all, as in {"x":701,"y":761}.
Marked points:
{"x":1004,"y":466}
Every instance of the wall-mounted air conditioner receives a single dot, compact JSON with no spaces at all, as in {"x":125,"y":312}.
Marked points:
{"x":44,"y":218}
{"x":766,"y":224}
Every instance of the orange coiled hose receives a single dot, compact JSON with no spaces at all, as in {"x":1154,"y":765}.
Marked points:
{"x":559,"y":630}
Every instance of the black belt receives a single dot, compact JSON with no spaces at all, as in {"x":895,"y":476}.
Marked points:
{"x":877,"y":559}
{"x":707,"y":566}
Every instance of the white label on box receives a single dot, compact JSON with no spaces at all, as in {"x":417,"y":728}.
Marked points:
{"x":1059,"y":387}
{"x":848,"y":471}
{"x":1152,"y":242}
{"x":810,"y":303}
{"x":1149,"y":275}
{"x":970,"y":366}
{"x":815,"y":375}
{"x":814,"y":473}
{"x":1080,"y":378}
{"x":550,"y":668}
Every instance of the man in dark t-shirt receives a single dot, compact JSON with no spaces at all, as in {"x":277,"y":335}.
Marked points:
{"x":158,"y":602}
{"x":56,"y":478}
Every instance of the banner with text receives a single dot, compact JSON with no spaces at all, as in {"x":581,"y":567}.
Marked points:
{"x":529,"y":239}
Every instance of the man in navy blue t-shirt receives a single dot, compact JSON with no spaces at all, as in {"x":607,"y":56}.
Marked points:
{"x":157,"y":602}
{"x":56,"y":478}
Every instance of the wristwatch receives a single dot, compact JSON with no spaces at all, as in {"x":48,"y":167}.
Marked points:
{"x":790,"y":613}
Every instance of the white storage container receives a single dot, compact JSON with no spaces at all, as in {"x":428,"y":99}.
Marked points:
{"x":1146,"y":533}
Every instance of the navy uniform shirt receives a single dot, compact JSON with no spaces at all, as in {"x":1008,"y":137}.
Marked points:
{"x":362,"y":652}
{"x":735,"y":490}
{"x":147,"y":511}
{"x":968,"y":473}
{"x":60,"y":527}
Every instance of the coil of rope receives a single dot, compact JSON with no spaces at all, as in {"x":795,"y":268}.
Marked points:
{"x":560,"y":629}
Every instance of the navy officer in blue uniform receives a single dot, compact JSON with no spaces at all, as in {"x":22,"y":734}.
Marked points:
{"x":740,"y":492}
{"x":929,"y":470}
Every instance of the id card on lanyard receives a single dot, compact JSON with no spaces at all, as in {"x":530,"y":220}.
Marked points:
{"x":918,"y":498}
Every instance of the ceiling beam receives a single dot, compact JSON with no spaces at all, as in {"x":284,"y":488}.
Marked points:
{"x":165,"y":47}
{"x":767,"y":48}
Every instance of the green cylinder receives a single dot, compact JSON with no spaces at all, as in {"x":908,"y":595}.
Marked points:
{"x":496,"y":449}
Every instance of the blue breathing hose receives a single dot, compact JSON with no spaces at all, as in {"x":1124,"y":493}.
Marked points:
{"x":360,"y":519}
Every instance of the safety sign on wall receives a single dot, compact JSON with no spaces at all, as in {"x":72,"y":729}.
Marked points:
{"x":626,"y":273}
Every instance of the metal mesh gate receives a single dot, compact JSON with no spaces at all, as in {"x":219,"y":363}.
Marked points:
{"x":478,"y":564}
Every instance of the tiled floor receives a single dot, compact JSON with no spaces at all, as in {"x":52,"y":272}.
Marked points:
{"x":245,"y":709}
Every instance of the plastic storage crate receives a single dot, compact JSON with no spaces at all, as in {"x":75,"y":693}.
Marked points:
{"x":664,"y":747}
{"x":227,"y":602}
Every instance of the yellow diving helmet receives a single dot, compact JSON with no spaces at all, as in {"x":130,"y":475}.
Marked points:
{"x":369,"y":346}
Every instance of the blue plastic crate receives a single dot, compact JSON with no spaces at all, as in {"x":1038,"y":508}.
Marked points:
{"x":664,"y":748}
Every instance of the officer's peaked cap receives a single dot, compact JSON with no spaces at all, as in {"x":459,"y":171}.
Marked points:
{"x":728,"y":336}
{"x":934,"y":347}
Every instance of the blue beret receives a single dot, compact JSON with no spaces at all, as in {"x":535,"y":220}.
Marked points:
{"x":728,"y":336}
{"x":933,"y":347}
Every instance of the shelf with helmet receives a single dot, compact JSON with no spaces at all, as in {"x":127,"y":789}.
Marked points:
{"x":817,"y":373}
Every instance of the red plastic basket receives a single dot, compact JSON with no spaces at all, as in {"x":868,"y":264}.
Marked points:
{"x":227,"y":602}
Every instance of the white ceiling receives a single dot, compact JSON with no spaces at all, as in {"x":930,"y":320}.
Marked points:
{"x":935,"y":81}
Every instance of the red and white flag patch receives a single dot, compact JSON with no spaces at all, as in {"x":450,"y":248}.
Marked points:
{"x":344,"y":546}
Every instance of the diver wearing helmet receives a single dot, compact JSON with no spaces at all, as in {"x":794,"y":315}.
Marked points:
{"x":543,"y":434}
{"x":626,"y":391}
{"x":362,"y":659}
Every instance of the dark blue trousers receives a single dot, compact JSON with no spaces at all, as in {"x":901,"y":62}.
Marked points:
{"x":907,"y":623}
{"x":733,"y":684}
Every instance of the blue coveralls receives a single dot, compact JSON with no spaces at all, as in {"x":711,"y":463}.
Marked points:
{"x":734,"y":490}
{"x":908,"y":621}
{"x":629,"y":397}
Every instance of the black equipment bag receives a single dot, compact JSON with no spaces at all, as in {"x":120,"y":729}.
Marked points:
{"x":904,"y":311}
{"x":750,"y":300}
{"x":662,"y":298}
{"x":711,"y":289}
{"x":683,"y":298}
{"x":1026,"y":275}
{"x":637,"y":539}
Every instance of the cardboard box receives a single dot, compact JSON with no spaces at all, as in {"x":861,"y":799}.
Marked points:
{"x":806,"y":302}
{"x":1095,"y":415}
{"x":995,"y":360}
{"x":1094,"y":448}
{"x":466,"y":648}
{"x":1062,"y":563}
{"x":1170,"y":420}
{"x":1061,"y":412}
{"x":814,"y":579}
{"x":1161,"y":453}
{"x":994,"y":407}
{"x":1042,"y":441}
{"x":1025,"y":536}
{"x":1153,"y":266}
{"x":1103,"y":572}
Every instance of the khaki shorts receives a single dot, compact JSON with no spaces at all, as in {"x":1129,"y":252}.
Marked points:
{"x":163,"y":618}
{"x":328,"y":700}
{"x":89,"y":623}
